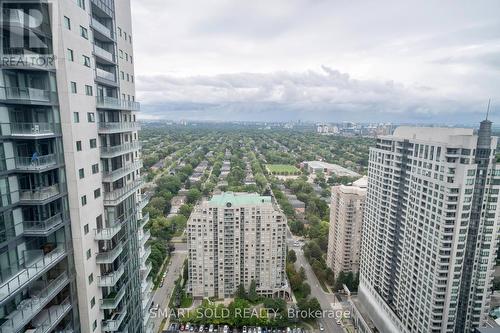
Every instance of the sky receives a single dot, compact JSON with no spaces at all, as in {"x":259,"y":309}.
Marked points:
{"x":318,"y":60}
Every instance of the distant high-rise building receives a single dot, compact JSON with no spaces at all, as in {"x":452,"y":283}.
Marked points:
{"x":346,"y":217}
{"x":430,"y":230}
{"x":235,"y":238}
{"x":73,"y":252}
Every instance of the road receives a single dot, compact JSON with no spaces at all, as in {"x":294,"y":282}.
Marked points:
{"x":174,"y":269}
{"x":326,"y":300}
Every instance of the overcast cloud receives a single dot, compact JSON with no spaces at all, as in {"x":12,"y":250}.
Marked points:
{"x":401,"y":61}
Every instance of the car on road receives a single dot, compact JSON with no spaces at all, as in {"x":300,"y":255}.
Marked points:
{"x":321,"y":327}
{"x":201,"y":328}
{"x":226,"y":329}
{"x":244,"y":329}
{"x":211,"y":329}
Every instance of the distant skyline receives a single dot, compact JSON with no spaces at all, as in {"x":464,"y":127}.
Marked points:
{"x":318,"y":60}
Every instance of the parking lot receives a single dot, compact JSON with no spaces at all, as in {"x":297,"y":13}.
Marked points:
{"x":174,"y":328}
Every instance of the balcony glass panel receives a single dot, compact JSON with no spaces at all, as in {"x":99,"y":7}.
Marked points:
{"x":112,"y":300}
{"x":113,"y":151}
{"x":51,"y":316}
{"x":116,"y":196}
{"x":36,"y":163}
{"x":40,"y":228}
{"x":27,"y":94}
{"x":110,"y":280}
{"x":110,"y":176}
{"x":114,"y":323}
{"x":113,"y":103}
{"x":101,"y":28}
{"x":109,"y":256}
{"x":41,"y":193}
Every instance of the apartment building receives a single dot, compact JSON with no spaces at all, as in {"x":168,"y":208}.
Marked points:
{"x":346,"y":220}
{"x":235,"y":238}
{"x":430,"y":230}
{"x":71,"y":170}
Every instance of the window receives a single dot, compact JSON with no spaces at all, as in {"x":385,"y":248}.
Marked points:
{"x":91,"y":278}
{"x":86,"y":229}
{"x":76,"y":117}
{"x":123,"y":75}
{"x":84,"y":200}
{"x":95,"y":168}
{"x":81,"y":173}
{"x":91,"y":117}
{"x":70,"y":55}
{"x":130,"y":39}
{"x":128,"y":77}
{"x":132,"y":78}
{"x":92,"y":302}
{"x":67,"y":22}
{"x":73,"y":87}
{"x":94,"y":325}
{"x":93,"y":143}
{"x":125,"y":34}
{"x":86,"y":61}
{"x":131,"y":60}
{"x":81,"y":4}
{"x":97,"y":193}
{"x":78,"y":146}
{"x":121,"y":54}
{"x":84,"y":32}
{"x":126,"y":56}
{"x":119,"y":31}
{"x":98,"y":221}
{"x":89,"y":254}
{"x":88,"y":90}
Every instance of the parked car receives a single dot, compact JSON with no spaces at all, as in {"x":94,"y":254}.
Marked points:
{"x":211,"y":328}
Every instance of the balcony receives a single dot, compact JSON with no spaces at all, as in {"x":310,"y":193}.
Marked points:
{"x":105,"y":75}
{"x":118,"y":195}
{"x":101,"y":28}
{"x":113,"y":324}
{"x":145,"y":236}
{"x":42,"y":228}
{"x":144,"y":254}
{"x":114,"y":103}
{"x":111,"y":176}
{"x":144,"y":200}
{"x":48,"y":318}
{"x":110,"y":280}
{"x":144,"y":220}
{"x":34,"y":196}
{"x":112,"y":300}
{"x":36,"y":262}
{"x":40,"y":295}
{"x":109,"y":256}
{"x":27,"y":95}
{"x":146,"y":285}
{"x":118,"y":127}
{"x":104,"y":54}
{"x":108,"y":233}
{"x":31,"y":130}
{"x":38,"y":163}
{"x":114,"y":151}
{"x":145,"y":269}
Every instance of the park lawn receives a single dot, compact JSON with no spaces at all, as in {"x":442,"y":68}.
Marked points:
{"x":186,"y":301}
{"x":282,"y":169}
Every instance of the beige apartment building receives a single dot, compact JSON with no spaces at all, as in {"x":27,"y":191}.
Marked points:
{"x":346,"y":219}
{"x":234,"y":238}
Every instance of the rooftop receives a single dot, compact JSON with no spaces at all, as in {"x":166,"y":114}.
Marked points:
{"x":436,"y":134}
{"x":239,"y":199}
{"x":334,"y":168}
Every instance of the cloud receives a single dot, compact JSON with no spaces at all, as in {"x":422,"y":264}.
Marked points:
{"x":325,"y":94}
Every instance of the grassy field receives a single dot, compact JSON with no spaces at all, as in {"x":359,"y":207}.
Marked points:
{"x":282,"y":169}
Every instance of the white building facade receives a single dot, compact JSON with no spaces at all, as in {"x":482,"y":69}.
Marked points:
{"x":430,"y":230}
{"x":235,"y":238}
{"x":80,"y":142}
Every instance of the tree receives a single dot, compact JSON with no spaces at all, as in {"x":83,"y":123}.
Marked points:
{"x":292,"y":257}
{"x":186,"y":210}
{"x":330,"y":276}
{"x":252,"y":292}
{"x":193,"y":195}
{"x":240,"y":292}
{"x":306,"y":289}
{"x":339,"y":281}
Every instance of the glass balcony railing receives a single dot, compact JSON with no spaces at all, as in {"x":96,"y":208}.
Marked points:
{"x":104,"y":54}
{"x":144,"y":220}
{"x":40,"y":296}
{"x":107,"y":257}
{"x":114,"y":151}
{"x":101,"y":73}
{"x":41,"y":228}
{"x":40,"y":193}
{"x":32,"y":129}
{"x":111,"y":176}
{"x":113,"y":324}
{"x":144,"y":254}
{"x":37,"y":163}
{"x":146,"y":285}
{"x":50,"y":317}
{"x":101,"y":28}
{"x":36,"y":262}
{"x":111,"y":301}
{"x":107,"y":233}
{"x":114,"y":103}
{"x":144,"y":238}
{"x":118,"y":127}
{"x":118,"y":195}
{"x":32,"y":95}
{"x":144,"y":200}
{"x":145,"y":269}
{"x":110,"y":279}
